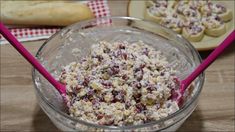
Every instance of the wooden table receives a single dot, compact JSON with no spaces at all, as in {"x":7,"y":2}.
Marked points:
{"x":20,"y":111}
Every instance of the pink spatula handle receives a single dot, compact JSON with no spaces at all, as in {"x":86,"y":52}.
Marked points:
{"x":210,"y":59}
{"x":30,"y":58}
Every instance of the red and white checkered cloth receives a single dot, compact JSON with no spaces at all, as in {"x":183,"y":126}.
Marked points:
{"x":99,"y":8}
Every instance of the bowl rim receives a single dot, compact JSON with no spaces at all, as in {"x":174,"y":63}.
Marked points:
{"x":183,"y":108}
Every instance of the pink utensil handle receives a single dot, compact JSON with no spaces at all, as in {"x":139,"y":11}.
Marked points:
{"x":210,"y":59}
{"x":30,"y":58}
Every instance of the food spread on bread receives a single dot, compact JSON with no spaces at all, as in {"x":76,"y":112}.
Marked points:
{"x":192,"y":18}
{"x":173,"y":21}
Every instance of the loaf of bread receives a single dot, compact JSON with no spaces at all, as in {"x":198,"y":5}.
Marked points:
{"x":57,"y":13}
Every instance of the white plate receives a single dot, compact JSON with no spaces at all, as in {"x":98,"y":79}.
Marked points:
{"x":136,"y":8}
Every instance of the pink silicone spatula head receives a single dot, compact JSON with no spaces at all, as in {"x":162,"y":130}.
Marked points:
{"x":31,"y":59}
{"x":209,"y":60}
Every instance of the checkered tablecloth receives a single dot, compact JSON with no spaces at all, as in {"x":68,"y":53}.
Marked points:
{"x":99,"y":8}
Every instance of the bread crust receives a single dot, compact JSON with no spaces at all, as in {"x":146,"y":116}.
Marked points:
{"x":227,"y":16}
{"x":151,"y":17}
{"x":149,"y":3}
{"x":57,"y":13}
{"x":215,"y":32}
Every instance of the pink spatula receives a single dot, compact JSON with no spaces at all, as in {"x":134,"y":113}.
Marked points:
{"x":210,"y":59}
{"x":31,"y":59}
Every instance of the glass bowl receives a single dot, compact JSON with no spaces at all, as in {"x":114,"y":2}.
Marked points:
{"x":58,"y":51}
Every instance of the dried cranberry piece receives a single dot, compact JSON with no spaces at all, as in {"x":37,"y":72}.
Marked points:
{"x":162,"y":74}
{"x":86,"y":81}
{"x":117,"y":53}
{"x":85,"y":98}
{"x":107,"y":84}
{"x":114,"y":92}
{"x":63,"y":72}
{"x":137,"y":69}
{"x":193,"y":7}
{"x":150,"y":88}
{"x":113,"y":70}
{"x":140,"y":107}
{"x":137,"y":97}
{"x":83,"y":59}
{"x":217,"y":18}
{"x":180,"y":102}
{"x":90,"y":92}
{"x":101,"y":97}
{"x":118,"y":96}
{"x":95,"y":101}
{"x":100,"y":116}
{"x":99,"y":57}
{"x":146,"y":51}
{"x":121,"y":46}
{"x":124,"y":56}
{"x":177,"y":82}
{"x":141,"y":66}
{"x":76,"y":89}
{"x":174,"y":94}
{"x":125,"y":77}
{"x":127,"y":104}
{"x":136,"y":85}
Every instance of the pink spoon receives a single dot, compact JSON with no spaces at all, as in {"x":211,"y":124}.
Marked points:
{"x":209,"y":60}
{"x":31,"y":59}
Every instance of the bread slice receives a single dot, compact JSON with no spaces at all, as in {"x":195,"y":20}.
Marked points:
{"x":58,"y":13}
{"x":214,"y":25}
{"x":215,"y":32}
{"x":190,"y":13}
{"x":151,"y":17}
{"x":227,"y":16}
{"x":192,"y":37}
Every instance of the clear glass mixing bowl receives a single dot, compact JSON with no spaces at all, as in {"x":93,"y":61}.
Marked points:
{"x":58,"y":51}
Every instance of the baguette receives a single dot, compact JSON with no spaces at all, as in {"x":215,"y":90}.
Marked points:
{"x":57,"y":13}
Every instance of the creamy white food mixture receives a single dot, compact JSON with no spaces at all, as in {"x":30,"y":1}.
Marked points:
{"x":120,"y":84}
